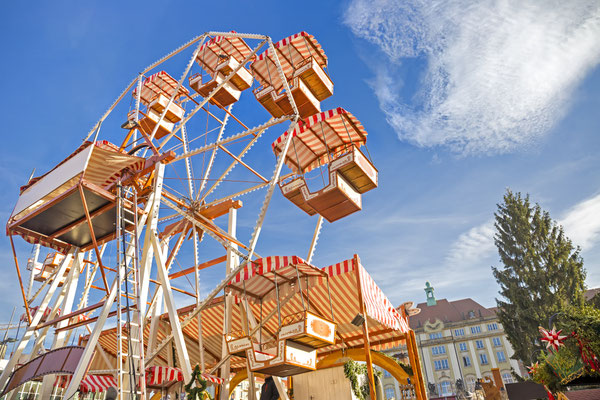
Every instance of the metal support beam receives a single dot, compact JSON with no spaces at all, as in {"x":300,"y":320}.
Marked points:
{"x":163,"y":277}
{"x":37,"y":317}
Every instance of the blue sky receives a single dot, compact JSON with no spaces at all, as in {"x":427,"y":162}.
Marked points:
{"x":460,"y":103}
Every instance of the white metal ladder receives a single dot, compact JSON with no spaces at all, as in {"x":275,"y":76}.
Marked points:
{"x":130,"y":346}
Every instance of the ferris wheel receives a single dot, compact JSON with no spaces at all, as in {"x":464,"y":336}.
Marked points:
{"x":153,"y":180}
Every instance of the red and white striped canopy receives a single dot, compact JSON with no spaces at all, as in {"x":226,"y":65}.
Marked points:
{"x":320,"y":137}
{"x":257,"y":279}
{"x":161,"y":376}
{"x":291,"y":52}
{"x":89,"y":384}
{"x":155,"y":84}
{"x":387,"y":327}
{"x":219,"y":47}
{"x":377,"y":305}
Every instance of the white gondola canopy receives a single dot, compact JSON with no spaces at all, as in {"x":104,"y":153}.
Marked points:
{"x":219,"y":48}
{"x":292,"y":53}
{"x":321,"y":137}
{"x":159,"y":83}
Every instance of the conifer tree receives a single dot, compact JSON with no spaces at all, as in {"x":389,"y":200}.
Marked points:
{"x":542,"y":272}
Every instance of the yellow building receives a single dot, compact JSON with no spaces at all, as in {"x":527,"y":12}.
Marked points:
{"x":457,"y":339}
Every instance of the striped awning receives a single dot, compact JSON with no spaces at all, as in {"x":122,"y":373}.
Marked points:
{"x":89,"y":384}
{"x":155,"y":84}
{"x":107,"y":164}
{"x":259,"y":279}
{"x":221,"y":47}
{"x":387,"y":327}
{"x":162,"y":376}
{"x":321,"y":137}
{"x":291,"y":52}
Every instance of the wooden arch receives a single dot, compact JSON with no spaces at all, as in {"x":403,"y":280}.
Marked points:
{"x":332,"y":360}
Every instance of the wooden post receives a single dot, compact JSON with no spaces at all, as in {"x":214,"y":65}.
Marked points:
{"x":27,"y":313}
{"x":361,"y":306}
{"x":413,"y":356}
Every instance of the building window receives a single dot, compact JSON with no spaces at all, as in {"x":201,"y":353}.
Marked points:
{"x":467,"y":361}
{"x":501,"y":357}
{"x":462,"y":346}
{"x":438,"y":350}
{"x":445,"y":388}
{"x":492,"y":327}
{"x":483,"y":359}
{"x":476,"y":329}
{"x":437,"y":335}
{"x":479,"y":344}
{"x":386,"y":374}
{"x":440,"y":364}
{"x":459,"y":332}
{"x":390,"y":393}
{"x":497,"y":342}
{"x":507,"y":377}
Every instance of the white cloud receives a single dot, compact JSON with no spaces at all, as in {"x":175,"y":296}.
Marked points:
{"x":499,"y":73}
{"x":472,"y":247}
{"x":582,"y":222}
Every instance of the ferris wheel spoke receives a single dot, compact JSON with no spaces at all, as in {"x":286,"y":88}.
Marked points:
{"x":232,"y":165}
{"x":212,"y":93}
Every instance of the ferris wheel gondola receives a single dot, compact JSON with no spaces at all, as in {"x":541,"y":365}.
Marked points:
{"x":331,"y":139}
{"x":219,"y":58}
{"x":303,"y":62}
{"x":300,"y":334}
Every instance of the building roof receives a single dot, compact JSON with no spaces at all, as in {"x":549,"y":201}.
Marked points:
{"x":591,"y":293}
{"x":449,"y":312}
{"x":586,"y":394}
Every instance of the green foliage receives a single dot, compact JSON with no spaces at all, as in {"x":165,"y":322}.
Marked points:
{"x":196,"y":388}
{"x":557,"y":369}
{"x":353,"y":371}
{"x":542,"y":272}
{"x":585,"y":321}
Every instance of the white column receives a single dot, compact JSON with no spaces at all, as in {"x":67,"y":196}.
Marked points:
{"x":488,"y":344}
{"x":475,"y":359}
{"x":427,"y":363}
{"x":232,"y":262}
{"x":453,"y":360}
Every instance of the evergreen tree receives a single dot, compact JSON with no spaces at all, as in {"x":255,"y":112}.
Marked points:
{"x":542,"y":274}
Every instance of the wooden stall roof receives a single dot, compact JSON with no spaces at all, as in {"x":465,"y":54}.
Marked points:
{"x":291,"y":51}
{"x":387,"y":327}
{"x":320,"y":135}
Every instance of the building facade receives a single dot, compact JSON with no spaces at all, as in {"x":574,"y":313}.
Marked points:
{"x":459,"y":341}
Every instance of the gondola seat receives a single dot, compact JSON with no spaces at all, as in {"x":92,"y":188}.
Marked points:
{"x":174,"y":113}
{"x":242,"y":79}
{"x":50,"y":265}
{"x":306,"y":103}
{"x":288,"y":358}
{"x":335,"y":201}
{"x":149,"y":121}
{"x":308,"y":329}
{"x":226,"y":95}
{"x":357,"y":169}
{"x":292,"y":190}
{"x":265,"y":96}
{"x":315,"y":78}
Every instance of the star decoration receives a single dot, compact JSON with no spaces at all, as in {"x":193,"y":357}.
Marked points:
{"x":552,"y":338}
{"x":533,"y":368}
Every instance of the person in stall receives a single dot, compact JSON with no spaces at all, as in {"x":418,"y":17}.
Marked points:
{"x":269,"y":390}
